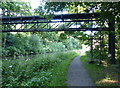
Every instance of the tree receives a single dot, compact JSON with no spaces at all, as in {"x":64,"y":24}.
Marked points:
{"x":15,"y":8}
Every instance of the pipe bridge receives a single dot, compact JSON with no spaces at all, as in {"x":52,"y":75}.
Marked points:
{"x":63,"y":22}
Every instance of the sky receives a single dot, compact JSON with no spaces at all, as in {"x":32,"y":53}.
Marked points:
{"x":34,"y":3}
{"x":0,"y":11}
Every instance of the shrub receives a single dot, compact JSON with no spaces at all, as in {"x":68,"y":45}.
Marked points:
{"x":12,"y":50}
{"x":35,"y":44}
{"x":54,"y":47}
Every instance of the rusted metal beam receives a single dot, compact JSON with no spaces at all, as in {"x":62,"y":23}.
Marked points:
{"x":62,"y":16}
{"x":58,"y":29}
{"x":32,"y":22}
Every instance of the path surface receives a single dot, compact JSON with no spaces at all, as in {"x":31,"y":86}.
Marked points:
{"x":77,"y":74}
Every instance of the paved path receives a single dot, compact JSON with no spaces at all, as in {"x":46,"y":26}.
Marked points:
{"x":77,"y":74}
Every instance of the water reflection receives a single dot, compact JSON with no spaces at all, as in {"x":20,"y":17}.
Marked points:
{"x":24,"y":57}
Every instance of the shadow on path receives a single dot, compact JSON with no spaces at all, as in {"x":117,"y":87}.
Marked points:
{"x":77,"y":75}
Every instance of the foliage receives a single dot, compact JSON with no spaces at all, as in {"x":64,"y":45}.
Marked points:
{"x":59,"y":71}
{"x":15,"y":8}
{"x":71,"y":44}
{"x":22,"y":44}
{"x":102,"y":75}
{"x":56,"y":47}
{"x":35,"y":43}
{"x":36,"y":71}
{"x":71,"y":7}
{"x":108,"y":10}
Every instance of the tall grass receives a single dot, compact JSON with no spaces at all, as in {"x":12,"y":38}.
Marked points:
{"x":34,"y":72}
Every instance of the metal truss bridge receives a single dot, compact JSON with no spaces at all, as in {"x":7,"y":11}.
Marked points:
{"x":63,"y":22}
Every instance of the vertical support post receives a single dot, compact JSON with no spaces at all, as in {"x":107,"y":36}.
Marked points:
{"x":111,"y":42}
{"x":91,"y":46}
{"x":100,"y":45}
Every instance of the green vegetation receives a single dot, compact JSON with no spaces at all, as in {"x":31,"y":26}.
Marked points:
{"x":60,"y":71}
{"x":101,"y":74}
{"x":28,"y":43}
{"x":15,"y":8}
{"x":60,"y":41}
{"x":16,"y":44}
{"x":49,"y":68}
{"x":108,"y":10}
{"x":45,"y":70}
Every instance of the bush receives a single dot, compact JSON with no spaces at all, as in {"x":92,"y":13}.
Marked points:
{"x":35,"y":44}
{"x":4,"y":52}
{"x":12,"y":51}
{"x":55,"y":47}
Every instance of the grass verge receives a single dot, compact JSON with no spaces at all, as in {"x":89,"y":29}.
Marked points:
{"x":60,"y":71}
{"x":102,"y":75}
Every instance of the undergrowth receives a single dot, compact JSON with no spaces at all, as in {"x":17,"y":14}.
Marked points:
{"x":102,"y":75}
{"x":47,"y":70}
